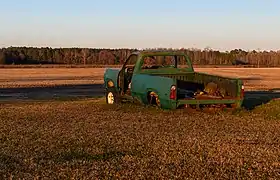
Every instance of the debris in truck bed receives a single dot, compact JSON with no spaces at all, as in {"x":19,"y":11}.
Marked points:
{"x":211,"y":88}
{"x":211,"y":91}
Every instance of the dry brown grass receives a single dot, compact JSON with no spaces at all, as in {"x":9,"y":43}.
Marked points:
{"x":88,"y":139}
{"x":265,"y":78}
{"x":28,"y":77}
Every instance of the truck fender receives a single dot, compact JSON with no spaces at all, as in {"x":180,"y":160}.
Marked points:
{"x":148,"y":90}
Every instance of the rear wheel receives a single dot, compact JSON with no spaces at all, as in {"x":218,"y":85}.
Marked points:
{"x":153,"y":99}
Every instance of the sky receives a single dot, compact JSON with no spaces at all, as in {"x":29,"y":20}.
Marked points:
{"x":218,"y":24}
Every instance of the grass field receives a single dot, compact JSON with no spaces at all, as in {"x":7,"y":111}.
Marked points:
{"x":254,"y":78}
{"x":89,"y":140}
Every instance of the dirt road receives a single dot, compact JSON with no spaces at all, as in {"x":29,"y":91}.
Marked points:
{"x":46,"y":93}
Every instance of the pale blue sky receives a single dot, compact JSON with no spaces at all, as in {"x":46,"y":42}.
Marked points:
{"x":220,"y":24}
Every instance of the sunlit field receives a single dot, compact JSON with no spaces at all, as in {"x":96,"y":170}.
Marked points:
{"x":87,"y":139}
{"x":254,"y":78}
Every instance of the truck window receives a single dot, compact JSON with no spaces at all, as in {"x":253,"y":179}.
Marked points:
{"x":182,"y":62}
{"x":154,"y":62}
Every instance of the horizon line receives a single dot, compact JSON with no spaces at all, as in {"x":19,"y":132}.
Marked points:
{"x":146,"y":48}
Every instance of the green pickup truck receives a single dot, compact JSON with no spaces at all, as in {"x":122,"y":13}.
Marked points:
{"x":167,"y":79}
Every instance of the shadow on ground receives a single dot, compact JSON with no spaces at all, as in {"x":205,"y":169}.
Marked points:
{"x":57,"y":92}
{"x":256,"y":98}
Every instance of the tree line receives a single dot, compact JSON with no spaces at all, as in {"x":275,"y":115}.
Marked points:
{"x":89,"y":56}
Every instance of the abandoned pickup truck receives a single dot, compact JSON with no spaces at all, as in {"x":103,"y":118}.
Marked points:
{"x":167,"y":79}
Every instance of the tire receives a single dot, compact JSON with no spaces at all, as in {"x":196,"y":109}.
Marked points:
{"x":153,"y":99}
{"x":112,"y":96}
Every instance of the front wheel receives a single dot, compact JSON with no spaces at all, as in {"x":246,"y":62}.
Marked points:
{"x":112,"y":96}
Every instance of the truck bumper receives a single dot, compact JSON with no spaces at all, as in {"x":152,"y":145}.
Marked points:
{"x":237,"y":102}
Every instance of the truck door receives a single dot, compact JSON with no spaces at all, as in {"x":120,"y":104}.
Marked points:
{"x":126,"y":73}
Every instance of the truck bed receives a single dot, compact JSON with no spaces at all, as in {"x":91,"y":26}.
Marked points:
{"x":192,"y":86}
